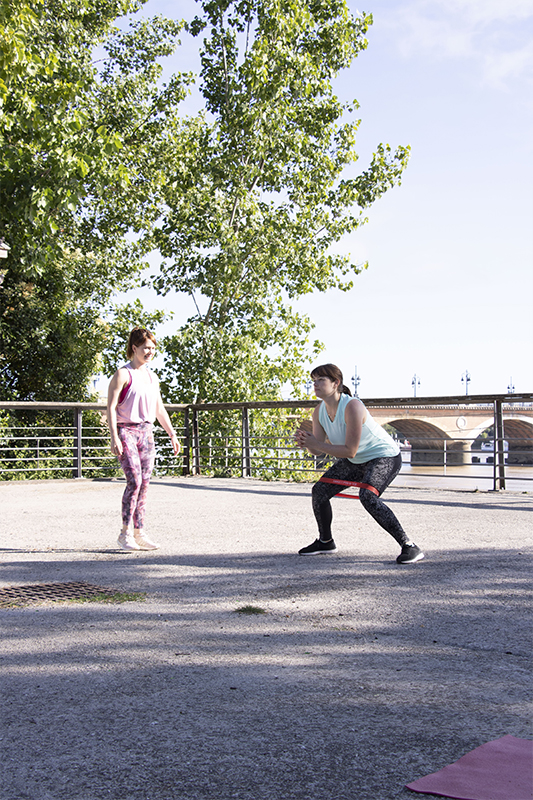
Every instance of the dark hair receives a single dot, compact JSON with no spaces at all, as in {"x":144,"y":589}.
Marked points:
{"x":332,"y":372}
{"x":137,"y":337}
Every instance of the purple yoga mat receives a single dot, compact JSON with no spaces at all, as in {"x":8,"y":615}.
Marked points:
{"x":498,"y":770}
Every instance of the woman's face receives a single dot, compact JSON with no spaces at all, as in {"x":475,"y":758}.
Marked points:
{"x":324,"y":387}
{"x":144,"y":352}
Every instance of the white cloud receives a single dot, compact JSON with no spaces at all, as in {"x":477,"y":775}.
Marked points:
{"x":500,"y":68}
{"x":497,"y":35}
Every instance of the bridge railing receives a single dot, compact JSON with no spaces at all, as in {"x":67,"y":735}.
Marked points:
{"x":61,"y":440}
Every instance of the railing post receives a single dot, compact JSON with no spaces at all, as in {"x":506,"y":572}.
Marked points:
{"x":187,"y":444}
{"x":77,"y":450}
{"x":246,"y":461}
{"x":499,"y":452}
{"x":195,"y":444}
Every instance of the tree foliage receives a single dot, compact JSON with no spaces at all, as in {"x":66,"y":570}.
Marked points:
{"x":122,"y":318}
{"x":245,"y":201}
{"x":81,"y":166}
{"x":257,"y":199}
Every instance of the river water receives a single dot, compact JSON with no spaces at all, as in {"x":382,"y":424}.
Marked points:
{"x":478,"y":476}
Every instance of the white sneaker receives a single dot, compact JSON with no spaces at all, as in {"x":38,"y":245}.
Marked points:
{"x":143,"y":542}
{"x":127,"y":541}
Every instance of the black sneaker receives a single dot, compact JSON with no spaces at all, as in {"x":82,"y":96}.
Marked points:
{"x":317,"y":547}
{"x":410,"y":553}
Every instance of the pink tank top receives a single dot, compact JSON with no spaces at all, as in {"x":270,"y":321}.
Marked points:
{"x":139,"y":402}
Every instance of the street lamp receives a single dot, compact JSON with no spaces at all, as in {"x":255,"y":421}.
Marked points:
{"x":415,"y":382}
{"x":465,"y":378}
{"x":308,"y":385}
{"x":510,"y":388}
{"x":356,"y":380}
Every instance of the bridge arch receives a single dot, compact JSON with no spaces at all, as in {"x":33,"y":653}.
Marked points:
{"x":413,"y":429}
{"x":429,"y":443}
{"x":517,"y":431}
{"x":436,"y":428}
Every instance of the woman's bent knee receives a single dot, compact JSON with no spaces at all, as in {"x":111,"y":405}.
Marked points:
{"x":318,"y":494}
{"x":368,"y":499}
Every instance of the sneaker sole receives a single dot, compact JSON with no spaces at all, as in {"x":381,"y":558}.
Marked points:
{"x":419,"y":557}
{"x":127,"y":548}
{"x":318,"y":553}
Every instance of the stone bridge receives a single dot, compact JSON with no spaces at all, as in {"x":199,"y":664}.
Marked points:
{"x":456,"y":429}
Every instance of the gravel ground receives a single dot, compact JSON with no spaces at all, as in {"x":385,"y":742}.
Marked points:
{"x":359,"y":676}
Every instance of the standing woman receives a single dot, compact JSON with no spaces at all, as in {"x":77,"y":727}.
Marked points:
{"x":366,"y":454}
{"x":133,"y":403}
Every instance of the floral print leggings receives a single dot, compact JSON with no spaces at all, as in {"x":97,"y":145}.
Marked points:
{"x":137,"y":461}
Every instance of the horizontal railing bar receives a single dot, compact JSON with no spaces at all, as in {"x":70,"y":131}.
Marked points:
{"x":41,"y":469}
{"x":31,"y":448}
{"x":379,"y":402}
{"x":49,"y":405}
{"x":67,"y":460}
{"x":238,"y":438}
{"x":70,"y":438}
{"x":382,"y":402}
{"x":464,"y":477}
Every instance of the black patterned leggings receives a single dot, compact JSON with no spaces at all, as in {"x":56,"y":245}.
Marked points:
{"x":379,"y":473}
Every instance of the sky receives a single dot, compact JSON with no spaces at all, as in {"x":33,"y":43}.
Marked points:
{"x":448,"y":292}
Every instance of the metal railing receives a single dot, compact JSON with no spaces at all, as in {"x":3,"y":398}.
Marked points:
{"x":245,"y":439}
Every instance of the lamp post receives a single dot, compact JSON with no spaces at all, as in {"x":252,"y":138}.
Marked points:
{"x":356,"y":380}
{"x":510,"y":388}
{"x":465,"y":378}
{"x":415,"y":382}
{"x":308,"y":385}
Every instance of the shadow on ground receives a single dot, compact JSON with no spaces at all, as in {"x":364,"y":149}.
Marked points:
{"x":360,"y":676}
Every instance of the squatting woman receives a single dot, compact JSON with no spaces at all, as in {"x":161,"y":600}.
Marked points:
{"x":134,"y":402}
{"x":366,"y":454}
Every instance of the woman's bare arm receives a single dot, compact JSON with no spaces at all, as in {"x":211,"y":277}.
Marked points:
{"x":116,"y":384}
{"x":163,"y":418}
{"x":354,"y":415}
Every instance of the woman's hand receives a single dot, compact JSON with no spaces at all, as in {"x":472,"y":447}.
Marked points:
{"x":116,"y":447}
{"x":174,"y":442}
{"x":305,"y":438}
{"x":305,"y":426}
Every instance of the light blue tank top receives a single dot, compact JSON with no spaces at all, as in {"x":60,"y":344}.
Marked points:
{"x":375,"y":442}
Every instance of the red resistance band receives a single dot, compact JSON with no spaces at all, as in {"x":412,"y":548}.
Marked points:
{"x":349,"y":483}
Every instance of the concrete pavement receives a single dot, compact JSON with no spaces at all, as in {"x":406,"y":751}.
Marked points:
{"x":359,"y":676}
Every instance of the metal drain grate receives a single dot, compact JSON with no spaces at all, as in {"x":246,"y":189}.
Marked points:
{"x":75,"y":590}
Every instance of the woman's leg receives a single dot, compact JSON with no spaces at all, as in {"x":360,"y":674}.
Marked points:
{"x":131,"y":465}
{"x":146,"y":452}
{"x":379,"y":473}
{"x":322,"y":492}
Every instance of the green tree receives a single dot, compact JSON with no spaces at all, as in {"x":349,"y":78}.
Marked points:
{"x":82,"y":162}
{"x":123,"y":318}
{"x":257,"y":198}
